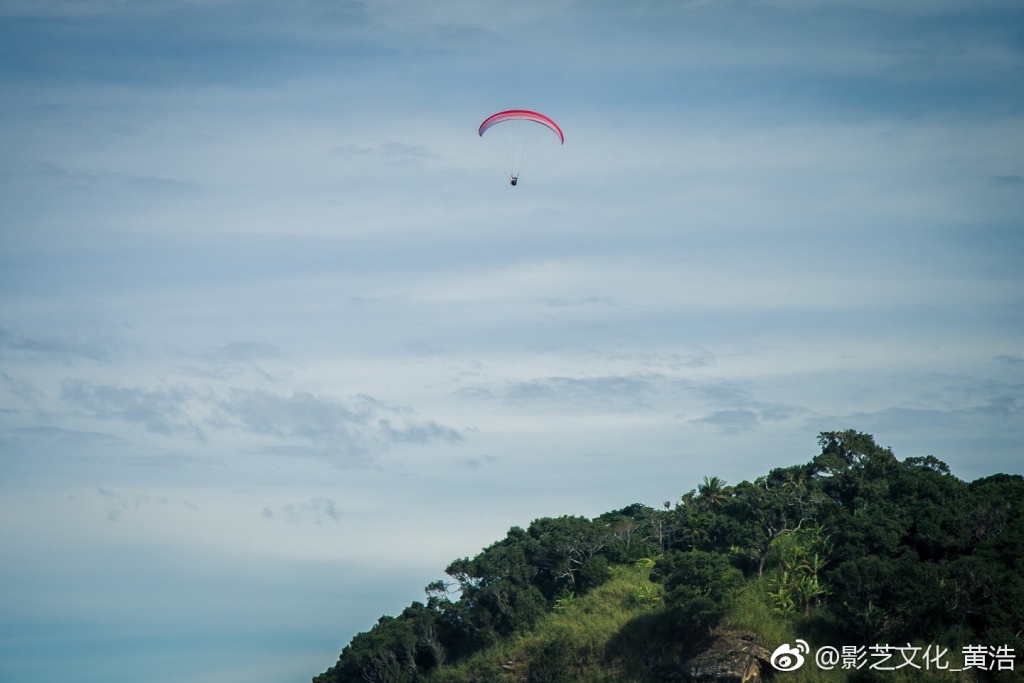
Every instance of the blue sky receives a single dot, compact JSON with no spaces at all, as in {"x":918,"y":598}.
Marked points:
{"x":278,"y":341}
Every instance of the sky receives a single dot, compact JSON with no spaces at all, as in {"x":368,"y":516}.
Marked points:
{"x":278,"y":340}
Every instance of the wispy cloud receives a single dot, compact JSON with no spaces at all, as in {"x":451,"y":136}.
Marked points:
{"x":389,"y":153}
{"x":55,"y":443}
{"x":731,"y":421}
{"x":142,"y":184}
{"x":163,"y":410}
{"x":353,"y":429}
{"x":117,"y":504}
{"x":61,"y":348}
{"x":1006,"y":180}
{"x":312,"y":511}
{"x":474,"y":464}
{"x":246,"y":351}
{"x":611,"y":390}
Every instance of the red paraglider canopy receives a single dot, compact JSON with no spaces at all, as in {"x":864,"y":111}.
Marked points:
{"x":522,"y":115}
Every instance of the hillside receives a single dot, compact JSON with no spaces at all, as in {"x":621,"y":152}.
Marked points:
{"x":854,"y":566}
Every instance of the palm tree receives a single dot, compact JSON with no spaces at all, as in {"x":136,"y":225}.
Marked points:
{"x":712,"y":493}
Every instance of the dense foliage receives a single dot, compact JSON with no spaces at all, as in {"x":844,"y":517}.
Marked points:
{"x":856,"y":544}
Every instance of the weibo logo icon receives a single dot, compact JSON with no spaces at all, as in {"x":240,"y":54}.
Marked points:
{"x":789,"y":658}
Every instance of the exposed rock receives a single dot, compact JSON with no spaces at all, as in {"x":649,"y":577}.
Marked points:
{"x":729,"y":658}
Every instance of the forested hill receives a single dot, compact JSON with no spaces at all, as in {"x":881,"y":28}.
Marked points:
{"x":854,"y":549}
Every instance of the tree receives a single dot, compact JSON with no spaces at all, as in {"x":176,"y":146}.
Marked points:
{"x":698,"y":586}
{"x":387,"y":653}
{"x":497,"y":594}
{"x":661,"y":525}
{"x":566,"y":551}
{"x":712,"y":494}
{"x":631,"y":533}
{"x":799,"y":581}
{"x":774,"y":505}
{"x":852,"y":467}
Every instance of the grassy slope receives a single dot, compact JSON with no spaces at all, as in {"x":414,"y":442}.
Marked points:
{"x":581,"y":633}
{"x":612,"y":633}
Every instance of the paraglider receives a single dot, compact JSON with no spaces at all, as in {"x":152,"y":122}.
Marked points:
{"x":519,"y":135}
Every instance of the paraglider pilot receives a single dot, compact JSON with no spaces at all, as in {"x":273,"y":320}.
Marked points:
{"x":513,"y":180}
